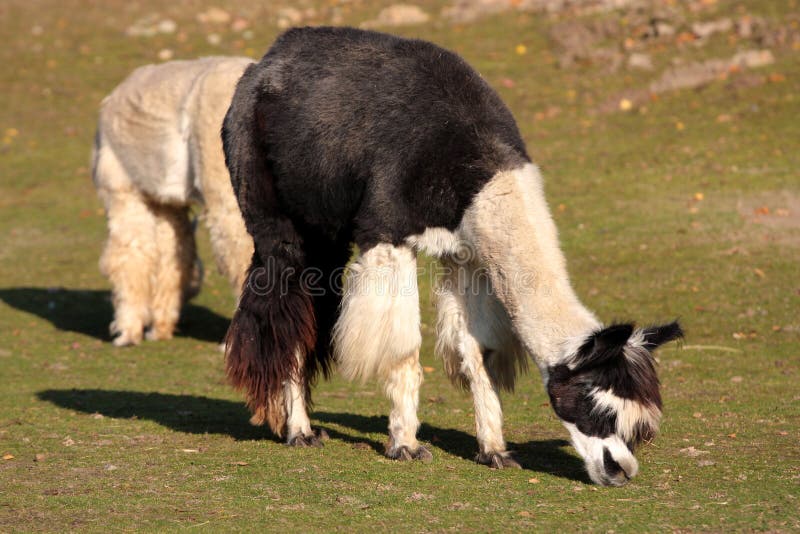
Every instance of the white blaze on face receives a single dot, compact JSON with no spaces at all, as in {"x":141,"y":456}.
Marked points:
{"x":630,"y":414}
{"x":596,"y":453}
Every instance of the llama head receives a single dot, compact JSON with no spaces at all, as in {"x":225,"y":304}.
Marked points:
{"x":606,"y":392}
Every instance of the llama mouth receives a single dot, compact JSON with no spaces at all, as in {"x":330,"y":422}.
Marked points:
{"x":612,"y":467}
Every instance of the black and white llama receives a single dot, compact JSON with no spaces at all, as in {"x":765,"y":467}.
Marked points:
{"x":343,"y":136}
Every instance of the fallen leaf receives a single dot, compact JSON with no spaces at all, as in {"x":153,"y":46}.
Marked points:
{"x":776,"y":77}
{"x":736,"y":379}
{"x":40,"y":457}
{"x":758,"y":272}
{"x":521,"y":49}
{"x":428,"y":369}
{"x":524,"y":513}
{"x":241,"y":464}
{"x":625,"y":104}
{"x":8,"y":457}
{"x":190,"y":450}
{"x":761,"y":210}
{"x":697,"y":415}
{"x":680,"y":126}
{"x":732,"y":436}
{"x":533,"y":480}
{"x":699,"y":196}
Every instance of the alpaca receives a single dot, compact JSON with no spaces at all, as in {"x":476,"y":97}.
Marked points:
{"x":158,"y":150}
{"x":341,"y":136}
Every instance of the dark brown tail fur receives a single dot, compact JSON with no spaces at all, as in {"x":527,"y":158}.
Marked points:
{"x":272,"y":336}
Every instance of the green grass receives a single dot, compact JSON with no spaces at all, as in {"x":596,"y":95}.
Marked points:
{"x":153,"y":438}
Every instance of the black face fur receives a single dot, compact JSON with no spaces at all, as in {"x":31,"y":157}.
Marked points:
{"x":607,"y":362}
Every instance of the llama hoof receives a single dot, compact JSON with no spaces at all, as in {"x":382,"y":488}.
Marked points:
{"x":156,"y":335}
{"x":316,"y":440}
{"x":126,"y":340}
{"x":498,"y":460}
{"x":404,"y":454}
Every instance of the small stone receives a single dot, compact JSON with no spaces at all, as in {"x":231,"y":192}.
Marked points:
{"x":239,"y":25}
{"x":664,"y":30}
{"x":214,"y":15}
{"x":167,"y":26}
{"x":640,"y":61}
{"x":707,"y":29}
{"x":753,"y":59}
{"x":398,"y":15}
{"x":288,"y":17}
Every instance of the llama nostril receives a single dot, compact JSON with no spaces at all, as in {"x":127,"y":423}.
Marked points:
{"x":613,"y":469}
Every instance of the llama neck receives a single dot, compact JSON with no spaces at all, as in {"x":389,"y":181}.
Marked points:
{"x":514,"y":236}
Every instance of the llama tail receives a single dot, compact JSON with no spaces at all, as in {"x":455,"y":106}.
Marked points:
{"x":273,"y":332}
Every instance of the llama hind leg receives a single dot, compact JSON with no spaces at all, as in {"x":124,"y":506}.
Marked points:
{"x":378,"y":335}
{"x":402,"y":387}
{"x":466,"y":364}
{"x":177,"y":277}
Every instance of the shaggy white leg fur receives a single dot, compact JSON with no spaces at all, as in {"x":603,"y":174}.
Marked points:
{"x":130,"y":255}
{"x":297,"y":422}
{"x":177,"y":252}
{"x":378,"y":334}
{"x":402,"y":387}
{"x":378,"y":326}
{"x":464,"y":362}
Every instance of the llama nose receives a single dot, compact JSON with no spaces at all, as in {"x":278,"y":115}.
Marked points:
{"x":616,"y":474}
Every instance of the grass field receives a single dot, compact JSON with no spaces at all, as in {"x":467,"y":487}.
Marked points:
{"x":685,"y":205}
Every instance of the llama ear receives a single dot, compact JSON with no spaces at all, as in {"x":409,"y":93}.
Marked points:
{"x":655,"y":336}
{"x":604,"y":345}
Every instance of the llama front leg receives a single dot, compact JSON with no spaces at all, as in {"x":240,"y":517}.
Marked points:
{"x":488,"y":411}
{"x":465,"y":363}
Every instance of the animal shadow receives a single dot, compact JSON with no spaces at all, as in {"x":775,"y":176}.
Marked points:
{"x":183,"y":413}
{"x":544,"y":456}
{"x":89,"y":311}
